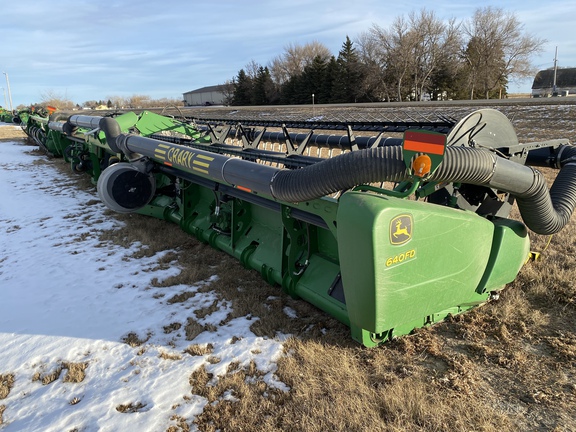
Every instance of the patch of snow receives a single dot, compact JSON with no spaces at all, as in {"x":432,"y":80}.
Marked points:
{"x":291,"y":313}
{"x":67,"y":297}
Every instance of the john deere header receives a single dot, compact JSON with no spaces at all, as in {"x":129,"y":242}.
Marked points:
{"x":386,"y":234}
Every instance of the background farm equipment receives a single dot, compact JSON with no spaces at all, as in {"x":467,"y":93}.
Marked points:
{"x":385,"y":234}
{"x":5,"y":115}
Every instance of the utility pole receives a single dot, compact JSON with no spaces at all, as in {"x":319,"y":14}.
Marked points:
{"x":9,"y":93}
{"x":554,"y":91}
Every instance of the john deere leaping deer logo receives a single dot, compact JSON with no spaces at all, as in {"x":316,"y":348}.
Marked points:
{"x":400,"y":229}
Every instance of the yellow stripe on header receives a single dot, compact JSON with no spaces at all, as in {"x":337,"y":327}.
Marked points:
{"x":203,"y":164}
{"x":208,"y":158}
{"x":203,"y":171}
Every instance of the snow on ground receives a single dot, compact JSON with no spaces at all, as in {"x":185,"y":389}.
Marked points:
{"x":67,"y":298}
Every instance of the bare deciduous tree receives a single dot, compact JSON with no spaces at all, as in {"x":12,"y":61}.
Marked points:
{"x":54,"y":99}
{"x":434,"y":43}
{"x":295,"y":58}
{"x":417,"y":56}
{"x":252,"y":69}
{"x":228,"y":89}
{"x":138,"y":101}
{"x":497,"y":49}
{"x":370,"y":56}
{"x":117,"y":101}
{"x":411,"y":50}
{"x":393,"y":47}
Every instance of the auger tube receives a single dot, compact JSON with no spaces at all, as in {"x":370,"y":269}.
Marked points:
{"x":544,"y":212}
{"x":91,"y":122}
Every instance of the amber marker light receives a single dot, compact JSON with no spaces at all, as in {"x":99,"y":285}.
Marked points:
{"x":421,"y":165}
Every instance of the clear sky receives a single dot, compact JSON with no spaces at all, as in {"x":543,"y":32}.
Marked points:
{"x":91,"y":49}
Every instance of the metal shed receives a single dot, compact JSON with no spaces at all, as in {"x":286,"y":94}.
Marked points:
{"x":211,"y":95}
{"x":544,"y":85}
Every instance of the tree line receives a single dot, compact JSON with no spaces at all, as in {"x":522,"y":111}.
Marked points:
{"x":135,"y":101}
{"x":418,"y":57}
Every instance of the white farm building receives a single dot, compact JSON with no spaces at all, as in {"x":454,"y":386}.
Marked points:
{"x":211,"y":95}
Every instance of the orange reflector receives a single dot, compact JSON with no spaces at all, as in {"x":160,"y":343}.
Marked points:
{"x":242,"y":188}
{"x":50,"y":109}
{"x":424,"y":142}
{"x":421,"y":165}
{"x":167,"y":163}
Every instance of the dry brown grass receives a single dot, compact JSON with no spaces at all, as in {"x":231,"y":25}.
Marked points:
{"x":193,"y":329}
{"x":170,"y":356}
{"x":6,"y":384}
{"x":134,"y":340}
{"x":131,"y":407}
{"x":199,"y":350}
{"x":75,"y":401}
{"x":172,"y":327}
{"x":180,"y":426}
{"x":48,"y":378}
{"x":75,"y":372}
{"x":181,"y":298}
{"x":241,"y":400}
{"x":11,"y":132}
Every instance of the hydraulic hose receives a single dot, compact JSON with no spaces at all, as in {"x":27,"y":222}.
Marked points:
{"x":112,"y":130}
{"x":551,"y":210}
{"x":543,"y":212}
{"x":547,"y":212}
{"x":461,"y":164}
{"x":339,"y":173}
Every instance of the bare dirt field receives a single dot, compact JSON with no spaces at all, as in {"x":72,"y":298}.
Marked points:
{"x":11,"y":133}
{"x":507,"y":366}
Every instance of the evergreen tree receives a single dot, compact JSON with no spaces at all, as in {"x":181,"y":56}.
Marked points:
{"x":311,"y":81}
{"x":348,"y":85}
{"x":330,"y":77}
{"x":258,"y":89}
{"x":263,"y":92}
{"x":243,"y":89}
{"x":288,"y":91}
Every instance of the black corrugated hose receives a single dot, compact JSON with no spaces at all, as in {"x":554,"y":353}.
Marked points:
{"x":544,"y":212}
